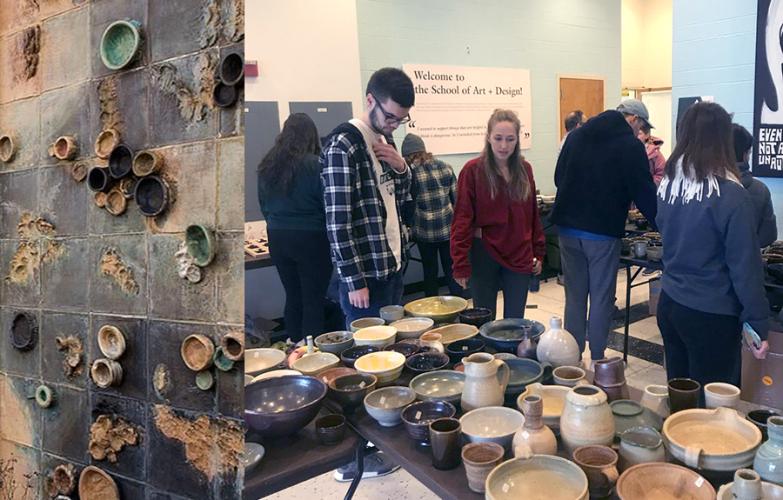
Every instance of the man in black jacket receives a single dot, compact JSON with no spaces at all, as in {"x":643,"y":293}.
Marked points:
{"x":766,"y":224}
{"x":602,"y":169}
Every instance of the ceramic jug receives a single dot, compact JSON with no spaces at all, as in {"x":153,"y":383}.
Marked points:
{"x":527,"y":346}
{"x":486,"y":379}
{"x":586,"y":419}
{"x":747,"y":486}
{"x":769,"y":457}
{"x":534,"y":437}
{"x":556,"y":346}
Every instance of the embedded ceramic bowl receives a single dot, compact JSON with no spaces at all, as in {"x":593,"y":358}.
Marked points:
{"x":315,"y":363}
{"x":350,"y":390}
{"x":350,"y":355}
{"x":7,"y":148}
{"x":334,"y":342}
{"x":553,"y":397}
{"x":412,"y":328}
{"x":283,"y":406}
{"x":120,"y":161}
{"x":385,"y":405}
{"x":426,"y":362}
{"x":386,"y":365}
{"x":225,"y":96}
{"x":98,"y":179}
{"x":662,"y":481}
{"x":232,"y":69}
{"x":146,"y":163}
{"x":540,"y":477}
{"x":200,"y":242}
{"x":439,"y":385}
{"x":454,"y":333}
{"x":24,"y":331}
{"x":95,"y":483}
{"x":120,"y":44}
{"x":360,"y":323}
{"x":440,"y":309}
{"x":417,"y":417}
{"x":197,"y":352}
{"x":495,"y":424}
{"x":151,"y":195}
{"x":506,"y":334}
{"x":111,"y":341}
{"x":105,"y":143}
{"x":376,"y":336}
{"x":715,"y":440}
{"x":258,"y":361}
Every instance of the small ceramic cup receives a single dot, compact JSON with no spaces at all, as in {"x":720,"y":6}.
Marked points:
{"x":599,"y":464}
{"x":569,"y":376}
{"x":330,"y":429}
{"x":445,"y":439}
{"x":479,"y":460}
{"x":392,"y":313}
{"x":656,"y":398}
{"x":717,"y":394}
{"x":683,"y":394}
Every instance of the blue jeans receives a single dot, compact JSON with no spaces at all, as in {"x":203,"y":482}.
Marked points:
{"x":382,"y":293}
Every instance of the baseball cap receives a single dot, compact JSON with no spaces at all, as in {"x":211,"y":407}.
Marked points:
{"x":637,"y":108}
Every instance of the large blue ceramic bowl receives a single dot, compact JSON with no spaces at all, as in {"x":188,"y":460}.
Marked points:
{"x":506,"y":334}
{"x":282,"y":406}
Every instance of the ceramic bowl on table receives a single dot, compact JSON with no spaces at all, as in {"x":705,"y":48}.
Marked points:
{"x":506,"y":334}
{"x":282,"y":406}
{"x":759,"y":419}
{"x":426,"y":362}
{"x":258,"y":361}
{"x":276,"y":373}
{"x":385,"y":405}
{"x":719,"y":394}
{"x":376,"y":336}
{"x":350,"y":355}
{"x":248,"y":379}
{"x":315,"y":363}
{"x":334,"y":342}
{"x":330,"y":429}
{"x":495,"y":424}
{"x":476,"y":316}
{"x":366,"y":323}
{"x":662,"y":481}
{"x":251,"y":456}
{"x":540,"y":477}
{"x":391,"y":313}
{"x":461,"y":348}
{"x":350,"y":390}
{"x":386,"y":365}
{"x":417,"y":417}
{"x":553,"y":397}
{"x":714,"y":440}
{"x":407,"y":349}
{"x":412,"y":328}
{"x":629,"y":414}
{"x":439,"y":385}
{"x":454,"y":333}
{"x":748,"y":484}
{"x":440,"y":309}
{"x":327,"y":376}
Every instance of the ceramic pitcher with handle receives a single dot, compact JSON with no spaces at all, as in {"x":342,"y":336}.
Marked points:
{"x":486,"y":379}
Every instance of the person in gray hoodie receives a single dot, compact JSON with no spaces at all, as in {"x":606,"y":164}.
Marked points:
{"x":765,"y":222}
{"x":714,"y":279}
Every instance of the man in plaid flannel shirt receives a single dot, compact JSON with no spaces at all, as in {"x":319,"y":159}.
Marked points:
{"x":366,"y":182}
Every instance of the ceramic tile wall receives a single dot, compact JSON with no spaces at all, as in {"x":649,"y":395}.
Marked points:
{"x":59,"y":87}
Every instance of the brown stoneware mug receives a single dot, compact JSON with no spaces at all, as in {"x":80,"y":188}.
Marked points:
{"x":683,"y":394}
{"x":446,"y":441}
{"x":479,"y":460}
{"x":599,"y":464}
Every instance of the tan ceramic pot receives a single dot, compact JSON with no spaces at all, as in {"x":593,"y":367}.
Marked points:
{"x":587,"y":418}
{"x":599,"y":464}
{"x":486,"y":379}
{"x":535,"y":437}
{"x":479,"y":460}
{"x":197,"y":351}
{"x":106,"y":373}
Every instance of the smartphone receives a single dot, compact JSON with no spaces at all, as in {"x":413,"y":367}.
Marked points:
{"x":752,"y":338}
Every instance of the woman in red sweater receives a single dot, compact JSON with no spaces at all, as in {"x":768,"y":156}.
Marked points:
{"x":496,"y":236}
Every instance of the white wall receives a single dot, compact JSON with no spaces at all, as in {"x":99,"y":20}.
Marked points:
{"x":306,"y":51}
{"x":647,"y":43}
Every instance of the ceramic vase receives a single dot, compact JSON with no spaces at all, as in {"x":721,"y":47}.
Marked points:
{"x":640,"y":445}
{"x":587,"y":418}
{"x":747,"y":486}
{"x":486,"y":379}
{"x":769,"y":457}
{"x":527,"y":346}
{"x":556,"y":346}
{"x":656,"y":398}
{"x":534,"y":437}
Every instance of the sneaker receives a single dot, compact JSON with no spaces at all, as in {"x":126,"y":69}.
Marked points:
{"x":375,"y":465}
{"x":647,"y":271}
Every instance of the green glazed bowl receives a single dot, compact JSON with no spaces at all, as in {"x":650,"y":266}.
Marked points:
{"x":200,"y":242}
{"x":120,"y":44}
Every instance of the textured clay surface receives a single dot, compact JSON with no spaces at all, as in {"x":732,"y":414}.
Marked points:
{"x":28,"y":258}
{"x":112,"y":266}
{"x":109,"y":435}
{"x":71,"y":347}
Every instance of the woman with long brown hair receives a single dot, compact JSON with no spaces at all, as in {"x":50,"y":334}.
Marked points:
{"x":497,"y":241}
{"x":291,"y":197}
{"x":713,"y":280}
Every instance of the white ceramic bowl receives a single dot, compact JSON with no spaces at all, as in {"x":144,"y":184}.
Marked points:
{"x":412,"y":328}
{"x":360,"y":323}
{"x":376,"y":336}
{"x":258,"y":361}
{"x":540,"y":477}
{"x":248,"y":379}
{"x":385,"y":405}
{"x":553,"y":397}
{"x":385,"y":365}
{"x":315,"y":363}
{"x":276,"y":373}
{"x":455,"y":332}
{"x":495,"y":424}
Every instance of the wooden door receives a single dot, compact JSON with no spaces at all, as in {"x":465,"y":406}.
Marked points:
{"x":580,"y":93}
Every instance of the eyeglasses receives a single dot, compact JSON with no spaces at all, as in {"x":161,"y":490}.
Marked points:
{"x":390,"y":117}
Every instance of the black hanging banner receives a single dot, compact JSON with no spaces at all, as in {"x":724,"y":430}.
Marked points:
{"x":768,"y":101}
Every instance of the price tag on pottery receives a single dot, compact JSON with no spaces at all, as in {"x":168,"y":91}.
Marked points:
{"x":453,"y":104}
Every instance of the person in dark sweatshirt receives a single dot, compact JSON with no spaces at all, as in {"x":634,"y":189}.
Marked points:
{"x":765,"y":222}
{"x":602,"y":168}
{"x":291,"y":197}
{"x":714,"y":279}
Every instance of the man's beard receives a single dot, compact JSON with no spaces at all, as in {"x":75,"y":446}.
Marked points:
{"x":375,"y":125}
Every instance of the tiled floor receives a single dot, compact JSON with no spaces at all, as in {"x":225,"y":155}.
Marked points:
{"x":549,"y":301}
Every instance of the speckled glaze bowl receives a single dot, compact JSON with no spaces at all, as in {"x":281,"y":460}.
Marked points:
{"x":439,"y":385}
{"x":385,"y":405}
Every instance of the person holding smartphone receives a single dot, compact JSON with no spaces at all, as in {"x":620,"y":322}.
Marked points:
{"x":714,"y":279}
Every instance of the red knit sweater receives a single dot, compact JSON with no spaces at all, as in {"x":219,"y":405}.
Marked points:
{"x":511,"y":230}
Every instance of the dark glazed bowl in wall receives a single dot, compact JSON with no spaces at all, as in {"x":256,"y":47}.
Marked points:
{"x":475,"y":316}
{"x":24,"y":331}
{"x":282,"y":406}
{"x":98,"y":179}
{"x":349,"y":356}
{"x":461,"y":348}
{"x":427,"y":362}
{"x":417,"y":417}
{"x":232,"y":69}
{"x":120,"y":44}
{"x":152,"y":195}
{"x":120,"y":161}
{"x":225,"y":96}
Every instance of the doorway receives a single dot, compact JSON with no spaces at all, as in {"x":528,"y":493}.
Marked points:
{"x":586,"y":94}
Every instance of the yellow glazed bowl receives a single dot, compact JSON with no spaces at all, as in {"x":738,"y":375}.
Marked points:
{"x":385,"y":365}
{"x":376,"y":336}
{"x":439,"y":309}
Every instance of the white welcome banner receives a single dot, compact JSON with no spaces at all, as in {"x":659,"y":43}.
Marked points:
{"x":453,"y":104}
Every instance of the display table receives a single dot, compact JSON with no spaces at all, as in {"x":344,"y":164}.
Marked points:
{"x":630,"y":278}
{"x":258,"y":262}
